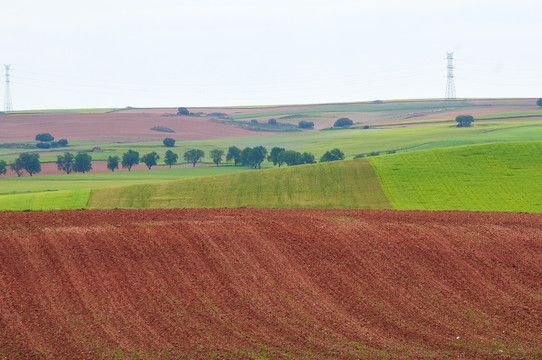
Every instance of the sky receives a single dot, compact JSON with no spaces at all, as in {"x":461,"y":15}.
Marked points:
{"x":165,"y":53}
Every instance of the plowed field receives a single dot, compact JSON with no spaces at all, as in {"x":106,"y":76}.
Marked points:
{"x":243,"y":283}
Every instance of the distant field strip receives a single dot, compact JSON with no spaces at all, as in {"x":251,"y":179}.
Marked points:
{"x":346,"y":184}
{"x":51,"y":200}
{"x":490,"y":177}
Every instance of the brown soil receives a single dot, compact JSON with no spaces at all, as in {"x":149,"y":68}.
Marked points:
{"x":236,"y":283}
{"x":122,"y":126}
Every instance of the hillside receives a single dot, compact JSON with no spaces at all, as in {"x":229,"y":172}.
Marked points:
{"x":270,"y":284}
{"x":344,"y":184}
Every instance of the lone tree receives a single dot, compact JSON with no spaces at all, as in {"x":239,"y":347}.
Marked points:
{"x":17,"y":167}
{"x":30,"y":163}
{"x":113,"y":162}
{"x":183,"y":111}
{"x":44,"y":137}
{"x":193,"y":156}
{"x":65,"y":162}
{"x":539,"y":102}
{"x":83,"y":163}
{"x":217,"y":155}
{"x":3,"y":166}
{"x":332,"y":155}
{"x":169,"y":142}
{"x":343,"y":122}
{"x":464,"y":120}
{"x":129,"y":159}
{"x":272,"y":121}
{"x":170,"y":158}
{"x":234,"y":153}
{"x":150,"y":159}
{"x":275,"y":157}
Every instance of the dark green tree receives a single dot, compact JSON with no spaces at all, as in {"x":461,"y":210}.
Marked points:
{"x":272,"y":121}
{"x":244,"y":158}
{"x":539,"y":102}
{"x":170,"y":158}
{"x":257,"y":156}
{"x":83,"y":162}
{"x":332,"y":155}
{"x":234,"y":153}
{"x":150,"y":159}
{"x":65,"y":162}
{"x":217,"y":155}
{"x":308,"y":158}
{"x":113,"y":162}
{"x":193,"y":156}
{"x":129,"y":159}
{"x":31,"y":163}
{"x":17,"y":167}
{"x":343,"y":122}
{"x":292,"y":157}
{"x":464,"y":120}
{"x":275,"y":157}
{"x":3,"y":167}
{"x":62,"y":143}
{"x":44,"y":137}
{"x":169,"y":142}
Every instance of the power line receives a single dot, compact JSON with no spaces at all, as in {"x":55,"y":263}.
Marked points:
{"x":450,"y":87}
{"x":7,"y":100}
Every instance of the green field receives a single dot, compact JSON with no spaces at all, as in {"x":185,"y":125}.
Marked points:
{"x":343,"y":184}
{"x":491,"y":177}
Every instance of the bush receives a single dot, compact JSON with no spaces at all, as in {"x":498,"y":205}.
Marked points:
{"x":464,"y":120}
{"x":43,"y":145}
{"x":183,"y":111}
{"x":163,"y":129}
{"x":343,"y":122}
{"x":254,"y":121}
{"x":365,"y":127}
{"x":539,"y":102}
{"x":62,"y":142}
{"x":169,"y":142}
{"x":272,"y":121}
{"x":306,"y":124}
{"x":44,"y":137}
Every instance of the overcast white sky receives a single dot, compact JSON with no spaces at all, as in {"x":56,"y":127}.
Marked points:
{"x":116,"y":53}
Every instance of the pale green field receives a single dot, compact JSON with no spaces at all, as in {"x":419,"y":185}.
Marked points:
{"x":341,"y":184}
{"x":490,"y":177}
{"x":51,"y":200}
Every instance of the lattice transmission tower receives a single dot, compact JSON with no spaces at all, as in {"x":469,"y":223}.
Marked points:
{"x":7,"y":100}
{"x":450,"y":87}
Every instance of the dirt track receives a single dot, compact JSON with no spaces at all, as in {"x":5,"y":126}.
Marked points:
{"x":232,"y":283}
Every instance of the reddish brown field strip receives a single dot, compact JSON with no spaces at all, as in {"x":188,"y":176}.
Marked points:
{"x":236,"y":283}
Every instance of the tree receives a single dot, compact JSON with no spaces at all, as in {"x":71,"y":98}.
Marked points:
{"x":129,"y":159}
{"x":464,"y":120}
{"x":257,"y":156}
{"x":170,"y":158}
{"x":193,"y":156}
{"x":234,"y":153}
{"x":217,"y":155}
{"x":169,"y":142}
{"x":306,"y":124}
{"x":332,"y":155}
{"x":30,"y":163}
{"x":65,"y":162}
{"x":3,"y":166}
{"x":43,"y":145}
{"x":539,"y":102}
{"x":62,"y":143}
{"x":83,"y":162}
{"x":150,"y":159}
{"x":343,"y":122}
{"x":183,"y":111}
{"x":245,"y":161}
{"x":292,"y":157}
{"x":275,"y":157}
{"x":113,"y":162}
{"x":272,"y":121}
{"x":17,"y":167}
{"x":44,"y":137}
{"x":308,"y":158}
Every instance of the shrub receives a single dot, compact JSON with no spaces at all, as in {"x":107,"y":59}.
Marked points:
{"x":62,"y":142}
{"x":183,"y":111}
{"x":43,"y":145}
{"x":343,"y":122}
{"x":44,"y":137}
{"x":169,"y":142}
{"x":464,"y":120}
{"x":272,"y":121}
{"x":163,"y":129}
{"x":306,"y":124}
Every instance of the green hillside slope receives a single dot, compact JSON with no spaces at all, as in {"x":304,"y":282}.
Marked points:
{"x":345,"y":184}
{"x":490,"y":177}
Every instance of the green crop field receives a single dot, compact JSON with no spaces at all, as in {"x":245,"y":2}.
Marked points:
{"x":51,"y":200}
{"x":491,"y":177}
{"x":343,"y":184}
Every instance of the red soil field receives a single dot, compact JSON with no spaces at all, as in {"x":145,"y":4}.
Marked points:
{"x":122,"y":126}
{"x":242,"y":283}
